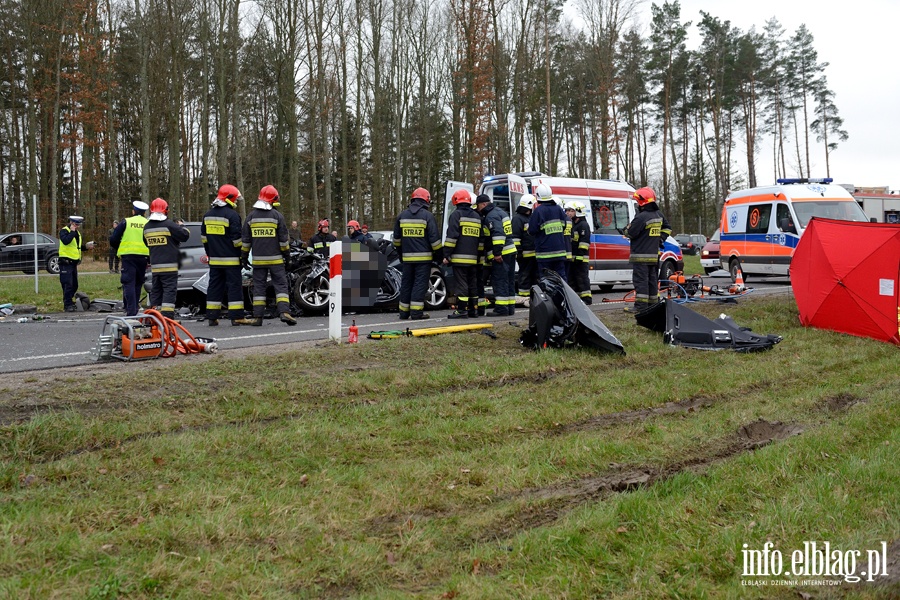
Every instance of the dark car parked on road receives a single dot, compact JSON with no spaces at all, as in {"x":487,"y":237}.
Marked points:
{"x":690,"y":242}
{"x":17,"y":252}
{"x":709,"y":255}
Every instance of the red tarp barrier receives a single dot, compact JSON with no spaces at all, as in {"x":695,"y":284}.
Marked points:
{"x":845,"y":278}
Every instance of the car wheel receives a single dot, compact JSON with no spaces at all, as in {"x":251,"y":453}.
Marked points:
{"x":312,"y":294}
{"x":53,"y":265}
{"x":709,"y":270}
{"x":436,"y":296}
{"x":733,"y":267}
{"x":666,"y":270}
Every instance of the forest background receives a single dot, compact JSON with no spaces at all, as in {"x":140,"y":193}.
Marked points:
{"x":347,"y":105}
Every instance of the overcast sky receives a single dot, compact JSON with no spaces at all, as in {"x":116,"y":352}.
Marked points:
{"x":860,"y":43}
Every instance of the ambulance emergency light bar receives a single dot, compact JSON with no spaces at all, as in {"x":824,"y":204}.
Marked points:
{"x":804,"y":180}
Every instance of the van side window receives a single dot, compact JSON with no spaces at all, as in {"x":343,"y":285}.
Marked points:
{"x":758,"y":218}
{"x":783,"y":219}
{"x":610,"y":216}
{"x":499,"y":196}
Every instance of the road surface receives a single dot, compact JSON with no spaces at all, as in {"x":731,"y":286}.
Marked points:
{"x":66,"y":339}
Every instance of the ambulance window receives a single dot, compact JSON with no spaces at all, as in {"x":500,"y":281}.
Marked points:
{"x":758,"y":218}
{"x":500,"y":196}
{"x":610,"y":216}
{"x":784,"y":220}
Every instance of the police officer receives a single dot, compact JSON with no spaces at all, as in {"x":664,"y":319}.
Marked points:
{"x":546,"y":225}
{"x":163,"y":237}
{"x":579,"y":269}
{"x":416,"y":238}
{"x":221,"y":237}
{"x":461,"y":251}
{"x":647,"y":231}
{"x":128,"y":239}
{"x":266,"y":234}
{"x":322,"y":239}
{"x":71,"y":246}
{"x":501,"y":254}
{"x":527,"y":276}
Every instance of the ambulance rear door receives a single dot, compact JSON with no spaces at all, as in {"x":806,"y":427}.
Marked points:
{"x":452,"y":186}
{"x":611,"y":208}
{"x":505,"y":191}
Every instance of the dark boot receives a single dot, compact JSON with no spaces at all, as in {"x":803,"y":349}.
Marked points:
{"x":473,"y":309}
{"x":213,"y":322}
{"x":288,"y":318}
{"x":459,"y":313}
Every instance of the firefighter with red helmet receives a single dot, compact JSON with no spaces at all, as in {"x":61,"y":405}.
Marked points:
{"x":355,"y":232}
{"x":322,"y":239}
{"x":265,"y":233}
{"x":220,"y":233}
{"x":647,"y":231}
{"x":416,"y":238}
{"x":462,"y":253}
{"x":163,"y":237}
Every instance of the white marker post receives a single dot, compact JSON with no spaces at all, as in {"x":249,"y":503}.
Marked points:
{"x":335,"y":291}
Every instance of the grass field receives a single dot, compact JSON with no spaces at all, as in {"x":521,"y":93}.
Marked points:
{"x":455,"y":466}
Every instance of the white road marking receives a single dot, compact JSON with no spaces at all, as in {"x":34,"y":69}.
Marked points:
{"x":6,"y":360}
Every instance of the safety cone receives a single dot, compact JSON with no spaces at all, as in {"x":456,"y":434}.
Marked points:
{"x":738,"y":286}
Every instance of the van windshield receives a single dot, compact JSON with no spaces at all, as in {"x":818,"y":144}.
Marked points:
{"x":845,"y":210}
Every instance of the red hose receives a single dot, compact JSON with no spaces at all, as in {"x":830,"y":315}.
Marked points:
{"x":173,"y":342}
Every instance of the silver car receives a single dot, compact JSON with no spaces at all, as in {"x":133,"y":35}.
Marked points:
{"x":192,"y":265}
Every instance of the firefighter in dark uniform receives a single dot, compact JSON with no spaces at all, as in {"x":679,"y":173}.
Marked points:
{"x":501,"y":255}
{"x":320,"y":242}
{"x":221,"y":237}
{"x":647,"y":231}
{"x":567,"y":235}
{"x":355,"y":232}
{"x":416,"y":238}
{"x":527,"y":276}
{"x":128,"y":239}
{"x":71,"y":246}
{"x":461,"y":251}
{"x":266,"y":234}
{"x":546,"y":225}
{"x":579,"y":269}
{"x":163,"y":237}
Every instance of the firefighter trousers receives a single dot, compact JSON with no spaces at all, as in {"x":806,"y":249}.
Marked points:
{"x":261,"y":276}
{"x":645,"y":278}
{"x":225,"y":284}
{"x":163,"y":292}
{"x":413,"y":288}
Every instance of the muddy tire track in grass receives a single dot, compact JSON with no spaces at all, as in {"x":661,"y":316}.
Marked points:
{"x":687,"y":405}
{"x":551,"y":502}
